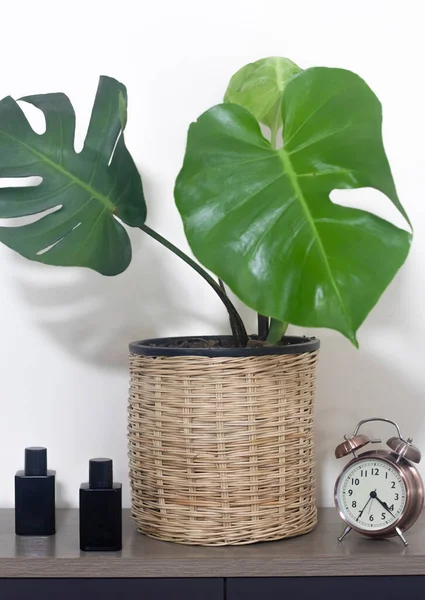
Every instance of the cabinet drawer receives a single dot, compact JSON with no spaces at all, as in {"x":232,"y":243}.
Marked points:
{"x":325,"y":588}
{"x":111,"y":589}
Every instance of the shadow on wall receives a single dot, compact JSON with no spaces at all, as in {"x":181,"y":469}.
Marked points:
{"x":95,"y":317}
{"x":374,"y":381}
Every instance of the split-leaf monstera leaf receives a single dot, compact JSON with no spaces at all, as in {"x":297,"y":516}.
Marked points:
{"x":81,"y":195}
{"x":261,"y":218}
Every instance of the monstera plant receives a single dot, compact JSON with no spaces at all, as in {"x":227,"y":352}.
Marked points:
{"x":253,"y":193}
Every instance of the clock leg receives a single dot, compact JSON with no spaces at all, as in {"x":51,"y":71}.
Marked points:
{"x":401,"y":536}
{"x":344,"y":533}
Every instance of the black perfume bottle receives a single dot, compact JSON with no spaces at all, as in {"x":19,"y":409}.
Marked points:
{"x":35,"y":496}
{"x":100,"y":509}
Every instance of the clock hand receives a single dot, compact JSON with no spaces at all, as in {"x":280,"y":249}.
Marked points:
{"x":385,"y":505}
{"x":370,"y":505}
{"x":363,"y":509}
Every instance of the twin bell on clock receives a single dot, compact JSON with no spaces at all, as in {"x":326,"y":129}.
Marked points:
{"x":379,"y":492}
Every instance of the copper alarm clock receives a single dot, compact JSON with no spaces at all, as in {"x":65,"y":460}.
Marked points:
{"x":379,"y":493}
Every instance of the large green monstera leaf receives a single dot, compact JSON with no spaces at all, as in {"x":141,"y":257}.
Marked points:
{"x":81,"y":195}
{"x":262,"y":220}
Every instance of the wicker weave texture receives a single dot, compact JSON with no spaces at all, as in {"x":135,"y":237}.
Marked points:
{"x":221,"y":450}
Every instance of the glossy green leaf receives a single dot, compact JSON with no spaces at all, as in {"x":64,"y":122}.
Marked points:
{"x":122,"y":107}
{"x":259,"y":87}
{"x":81,"y":195}
{"x":261,"y":219}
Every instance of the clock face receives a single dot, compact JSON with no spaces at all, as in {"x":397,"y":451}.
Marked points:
{"x":371,"y":494}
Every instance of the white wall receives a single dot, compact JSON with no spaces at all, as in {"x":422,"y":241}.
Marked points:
{"x":64,"y":333}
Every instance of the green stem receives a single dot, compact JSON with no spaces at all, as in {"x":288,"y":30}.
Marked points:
{"x":277,"y":328}
{"x":238,"y":328}
{"x":276,"y":331}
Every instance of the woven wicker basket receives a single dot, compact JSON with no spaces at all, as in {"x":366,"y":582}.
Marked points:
{"x":221,"y":447}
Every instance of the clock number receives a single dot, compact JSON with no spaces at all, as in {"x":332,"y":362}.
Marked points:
{"x":354,"y":504}
{"x":383,"y":516}
{"x":391,"y":507}
{"x":355,"y":481}
{"x":386,"y":475}
{"x":350,"y":492}
{"x":363,"y":473}
{"x":393,"y":485}
{"x":375,"y":471}
{"x":371,"y":518}
{"x":396,"y":496}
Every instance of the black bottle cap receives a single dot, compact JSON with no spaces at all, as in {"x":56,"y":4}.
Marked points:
{"x":100,"y":473}
{"x":35,"y":461}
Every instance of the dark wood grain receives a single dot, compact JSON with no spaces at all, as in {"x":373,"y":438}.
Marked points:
{"x":315,"y":554}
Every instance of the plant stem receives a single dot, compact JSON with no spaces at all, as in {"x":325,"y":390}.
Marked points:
{"x":223,"y":289}
{"x":276,"y":331}
{"x":263,"y":326}
{"x":238,"y":328}
{"x":277,"y":328}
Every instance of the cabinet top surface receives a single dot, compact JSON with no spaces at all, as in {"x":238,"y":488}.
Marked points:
{"x":316,"y":554}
